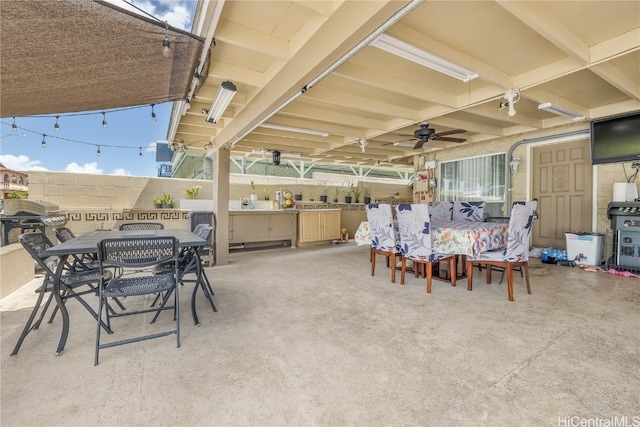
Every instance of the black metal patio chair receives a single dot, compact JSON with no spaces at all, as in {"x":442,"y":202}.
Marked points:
{"x":139,"y":254}
{"x":142,"y":226}
{"x":73,"y":283}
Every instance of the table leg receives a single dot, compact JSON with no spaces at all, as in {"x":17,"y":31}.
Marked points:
{"x":63,"y":310}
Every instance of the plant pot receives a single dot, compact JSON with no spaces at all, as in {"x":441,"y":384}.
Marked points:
{"x":253,"y":197}
{"x":335,"y":200}
{"x":357,"y":201}
{"x":266,"y":197}
{"x":367,"y":200}
{"x":347,"y":199}
{"x":323,"y":199}
{"x":157,"y":205}
{"x":298,"y":196}
{"x":168,"y":205}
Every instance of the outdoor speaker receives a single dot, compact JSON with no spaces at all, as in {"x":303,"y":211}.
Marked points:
{"x":276,"y":158}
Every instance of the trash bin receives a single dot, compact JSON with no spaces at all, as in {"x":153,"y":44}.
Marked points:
{"x":585,"y":248}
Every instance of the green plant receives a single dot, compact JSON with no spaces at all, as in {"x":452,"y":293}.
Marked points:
{"x":17,"y":194}
{"x":311,"y":197}
{"x":192,"y":193}
{"x":323,"y":188}
{"x":366,"y":190}
{"x":266,"y":190}
{"x":337,"y":192}
{"x":356,"y":193}
{"x":158,"y":200}
{"x":167,"y":199}
{"x":347,"y":187}
{"x":253,"y":186}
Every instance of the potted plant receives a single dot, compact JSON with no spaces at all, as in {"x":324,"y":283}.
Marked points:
{"x":298,"y":194}
{"x":265,"y":191}
{"x":347,"y":189}
{"x":157,"y":202}
{"x":168,"y":201}
{"x":311,"y":199}
{"x":336,"y":194}
{"x":366,"y":190}
{"x":253,"y":196}
{"x":323,"y":192}
{"x":356,"y":194}
{"x":192,"y":193}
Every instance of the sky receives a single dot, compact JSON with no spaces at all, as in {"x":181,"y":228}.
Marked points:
{"x":74,"y":147}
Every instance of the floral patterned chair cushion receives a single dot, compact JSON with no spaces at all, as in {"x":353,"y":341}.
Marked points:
{"x":517,"y":237}
{"x":468,"y":211}
{"x":415,"y":233}
{"x":441,"y":211}
{"x":381,"y":227}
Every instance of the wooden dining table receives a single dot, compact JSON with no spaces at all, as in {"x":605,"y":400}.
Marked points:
{"x":88,"y":244}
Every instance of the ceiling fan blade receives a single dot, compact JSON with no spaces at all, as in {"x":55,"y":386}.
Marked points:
{"x":445,"y":138}
{"x":450,"y":132}
{"x":419,"y":144}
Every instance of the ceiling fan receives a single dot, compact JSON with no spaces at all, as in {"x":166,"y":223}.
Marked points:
{"x":425,"y":133}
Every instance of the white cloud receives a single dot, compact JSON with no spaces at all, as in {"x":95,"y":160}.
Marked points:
{"x":21,"y":163}
{"x":122,"y":172}
{"x":86,"y":168}
{"x":151,"y":148}
{"x":177,"y":13}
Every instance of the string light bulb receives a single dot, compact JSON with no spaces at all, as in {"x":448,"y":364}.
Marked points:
{"x":98,"y":153}
{"x":166,"y":44}
{"x":14,"y":126}
{"x":104,"y":123}
{"x":140,"y":154}
{"x":43,"y":143}
{"x":56,"y":127}
{"x":153,"y":114}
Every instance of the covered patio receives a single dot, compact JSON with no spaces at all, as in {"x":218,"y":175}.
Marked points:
{"x":342,"y":348}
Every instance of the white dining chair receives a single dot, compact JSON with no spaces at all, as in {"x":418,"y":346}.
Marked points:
{"x":468,"y":211}
{"x":415,"y":242}
{"x":383,"y":237}
{"x":516,"y":254}
{"x":441,"y":211}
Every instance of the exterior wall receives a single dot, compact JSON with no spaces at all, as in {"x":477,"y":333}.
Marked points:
{"x":16,"y":268}
{"x":605,"y":175}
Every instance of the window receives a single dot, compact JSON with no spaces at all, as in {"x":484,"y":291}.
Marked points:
{"x":475,"y":178}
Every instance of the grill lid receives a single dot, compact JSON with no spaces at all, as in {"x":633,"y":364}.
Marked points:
{"x":35,"y":207}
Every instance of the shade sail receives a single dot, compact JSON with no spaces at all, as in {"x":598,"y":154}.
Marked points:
{"x":83,"y":55}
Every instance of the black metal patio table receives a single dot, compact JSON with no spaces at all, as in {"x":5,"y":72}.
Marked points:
{"x":88,"y":244}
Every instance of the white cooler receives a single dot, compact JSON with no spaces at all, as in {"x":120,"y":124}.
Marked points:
{"x":585,"y":248}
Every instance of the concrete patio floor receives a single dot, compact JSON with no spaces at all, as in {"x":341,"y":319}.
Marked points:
{"x":306,"y":337}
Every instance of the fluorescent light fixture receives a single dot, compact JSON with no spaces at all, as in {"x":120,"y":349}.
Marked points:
{"x":294,"y":129}
{"x":419,"y":56}
{"x":226,"y":92}
{"x":547,"y":106}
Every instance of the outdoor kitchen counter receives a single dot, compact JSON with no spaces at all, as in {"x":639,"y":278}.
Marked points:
{"x":262,"y":225}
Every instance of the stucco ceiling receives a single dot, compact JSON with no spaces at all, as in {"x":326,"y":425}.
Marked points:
{"x":581,"y":56}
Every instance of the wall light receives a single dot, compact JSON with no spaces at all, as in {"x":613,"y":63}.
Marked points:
{"x":547,"y":106}
{"x":514,"y":164}
{"x":294,"y":129}
{"x":226,"y":92}
{"x":419,"y":56}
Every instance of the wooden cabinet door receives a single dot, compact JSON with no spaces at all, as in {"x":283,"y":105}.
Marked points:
{"x":248,"y":228}
{"x":309,"y":226}
{"x":330,"y":225}
{"x":281,"y":226}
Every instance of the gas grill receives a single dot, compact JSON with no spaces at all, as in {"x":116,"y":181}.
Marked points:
{"x":28,"y":215}
{"x":625,"y":223}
